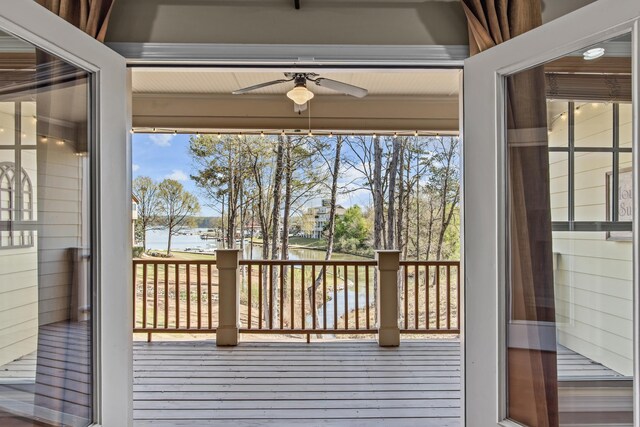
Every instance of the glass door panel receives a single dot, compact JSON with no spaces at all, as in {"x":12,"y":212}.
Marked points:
{"x":46,"y":334}
{"x":569,"y":211}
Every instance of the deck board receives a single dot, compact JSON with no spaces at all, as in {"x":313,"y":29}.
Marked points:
{"x":352,"y":383}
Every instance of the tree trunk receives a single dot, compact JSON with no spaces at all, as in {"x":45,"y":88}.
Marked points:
{"x":286,"y":213}
{"x":332,"y":224}
{"x":275,"y":222}
{"x":391,"y":212}
{"x":169,"y":241}
{"x":377,"y":211}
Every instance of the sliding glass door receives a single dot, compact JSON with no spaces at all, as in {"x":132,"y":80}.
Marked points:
{"x":551,"y":167}
{"x":62,"y":119}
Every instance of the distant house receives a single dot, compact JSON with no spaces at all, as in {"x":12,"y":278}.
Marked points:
{"x":318,"y":217}
{"x":134,"y":218}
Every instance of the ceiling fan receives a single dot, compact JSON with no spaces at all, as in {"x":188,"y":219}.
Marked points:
{"x":300,"y":95}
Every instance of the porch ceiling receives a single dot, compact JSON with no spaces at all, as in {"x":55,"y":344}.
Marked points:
{"x":200,"y":99}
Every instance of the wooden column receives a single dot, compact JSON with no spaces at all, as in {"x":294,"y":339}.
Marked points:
{"x":387,"y":298}
{"x":227,"y":262}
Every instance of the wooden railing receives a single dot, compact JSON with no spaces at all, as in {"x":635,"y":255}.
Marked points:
{"x":296,"y":297}
{"x":301,"y":297}
{"x":430,"y":296}
{"x":175,"y":296}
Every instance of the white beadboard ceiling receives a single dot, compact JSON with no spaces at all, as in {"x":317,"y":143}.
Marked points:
{"x":213,"y":81}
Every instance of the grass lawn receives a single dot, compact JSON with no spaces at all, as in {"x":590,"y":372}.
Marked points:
{"x":303,"y":242}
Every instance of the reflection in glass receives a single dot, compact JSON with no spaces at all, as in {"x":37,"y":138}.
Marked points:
{"x":46,"y":371}
{"x":570,"y":206}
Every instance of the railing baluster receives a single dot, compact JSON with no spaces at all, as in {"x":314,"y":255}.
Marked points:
{"x":346,"y":297}
{"x":270,"y":298}
{"x":250,"y":301}
{"x":177,"y":293}
{"x":155,"y":295}
{"x":165,"y":269}
{"x":281,"y":313}
{"x":259,"y":296}
{"x":303,"y":291}
{"x":292,"y":297}
{"x":366,"y":279}
{"x":448,"y":296}
{"x":210,"y":296}
{"x":427,"y":273}
{"x":355,"y":278}
{"x":135,"y":292}
{"x":416,"y":290}
{"x":199,"y":289}
{"x":406,"y":296}
{"x":144,"y":295}
{"x":313,"y":296}
{"x":437,"y":296}
{"x":458,"y":314}
{"x":335,"y":296}
{"x":188,"y":280}
{"x":324,"y":297}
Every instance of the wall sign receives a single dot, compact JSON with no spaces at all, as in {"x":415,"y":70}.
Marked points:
{"x":625,"y":203}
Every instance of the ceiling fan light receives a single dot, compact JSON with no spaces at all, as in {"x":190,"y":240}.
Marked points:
{"x":300,"y":95}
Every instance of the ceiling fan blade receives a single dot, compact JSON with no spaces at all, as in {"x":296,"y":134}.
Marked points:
{"x":259,"y":86}
{"x":345,"y":88}
{"x":297,"y":108}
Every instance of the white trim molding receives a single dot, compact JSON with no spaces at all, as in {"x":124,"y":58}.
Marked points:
{"x":291,"y":54}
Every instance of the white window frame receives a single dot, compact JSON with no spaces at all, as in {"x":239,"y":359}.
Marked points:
{"x":484,"y":343}
{"x":111,"y":187}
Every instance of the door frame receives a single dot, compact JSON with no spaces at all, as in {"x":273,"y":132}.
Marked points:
{"x":484,"y":343}
{"x":111,"y":189}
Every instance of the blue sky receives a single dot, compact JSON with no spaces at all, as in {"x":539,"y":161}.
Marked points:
{"x":161,"y":156}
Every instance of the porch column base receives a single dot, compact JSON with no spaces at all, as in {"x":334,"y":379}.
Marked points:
{"x":389,"y":337}
{"x":228,"y":263}
{"x":387,"y":298}
{"x":227,"y":336}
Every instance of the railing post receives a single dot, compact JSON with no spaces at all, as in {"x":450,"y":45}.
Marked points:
{"x":227,"y":262}
{"x":387,"y":298}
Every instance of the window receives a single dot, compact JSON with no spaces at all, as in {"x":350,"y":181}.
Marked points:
{"x":12,"y":211}
{"x":588,"y":153}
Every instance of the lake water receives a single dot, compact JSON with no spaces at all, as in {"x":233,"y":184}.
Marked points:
{"x":157,"y":239}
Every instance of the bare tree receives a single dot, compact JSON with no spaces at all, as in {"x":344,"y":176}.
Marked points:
{"x":145,"y":190}
{"x":177,"y":206}
{"x":331,"y":226}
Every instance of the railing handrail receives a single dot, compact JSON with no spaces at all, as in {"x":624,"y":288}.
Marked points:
{"x":372,"y":263}
{"x":359,"y":263}
{"x":430,"y":263}
{"x":173,"y":261}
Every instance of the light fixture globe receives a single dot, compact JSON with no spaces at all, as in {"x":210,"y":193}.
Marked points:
{"x":300,"y":94}
{"x":593,"y":53}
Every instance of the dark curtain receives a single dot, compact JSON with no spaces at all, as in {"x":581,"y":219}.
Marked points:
{"x":532,"y":369}
{"x":91,"y":16}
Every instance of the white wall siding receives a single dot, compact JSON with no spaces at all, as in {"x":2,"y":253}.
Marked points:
{"x":60,"y":203}
{"x":593,"y":275}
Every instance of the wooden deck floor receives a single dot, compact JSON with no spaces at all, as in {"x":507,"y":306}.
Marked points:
{"x":353,"y":383}
{"x":326,"y":383}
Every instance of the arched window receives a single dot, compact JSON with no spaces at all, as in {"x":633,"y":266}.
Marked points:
{"x":7,"y":191}
{"x":16,"y":204}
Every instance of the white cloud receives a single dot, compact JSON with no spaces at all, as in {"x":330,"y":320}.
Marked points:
{"x":135,"y":167}
{"x":161,"y":139}
{"x":178,"y":175}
